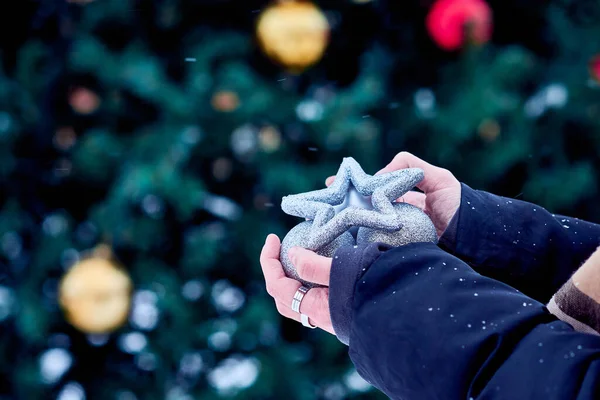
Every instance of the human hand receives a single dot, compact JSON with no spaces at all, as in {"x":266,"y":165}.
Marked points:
{"x":310,"y":267}
{"x":441,"y":197}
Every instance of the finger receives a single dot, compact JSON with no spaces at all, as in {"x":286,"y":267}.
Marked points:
{"x":315,"y":302}
{"x":434,"y":176}
{"x":329,"y":181}
{"x":315,"y":305}
{"x":403,"y":160}
{"x":271,"y":247}
{"x":310,"y":266}
{"x":287,"y":312}
{"x":416,"y":199}
{"x":269,"y":259}
{"x":283,"y":289}
{"x":279,"y":286}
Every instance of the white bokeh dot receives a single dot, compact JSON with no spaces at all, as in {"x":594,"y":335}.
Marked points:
{"x":71,"y":391}
{"x":234,"y":374}
{"x":54,"y":363}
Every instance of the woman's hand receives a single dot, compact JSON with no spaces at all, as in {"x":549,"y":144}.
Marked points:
{"x":311,"y":267}
{"x":441,"y":197}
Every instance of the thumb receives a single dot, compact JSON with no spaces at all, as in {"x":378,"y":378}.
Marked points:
{"x":310,"y":266}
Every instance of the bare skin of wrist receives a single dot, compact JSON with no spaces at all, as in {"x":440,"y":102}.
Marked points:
{"x":587,"y":278}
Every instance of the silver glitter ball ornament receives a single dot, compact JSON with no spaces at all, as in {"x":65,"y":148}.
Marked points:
{"x":416,"y":228}
{"x":298,"y":236}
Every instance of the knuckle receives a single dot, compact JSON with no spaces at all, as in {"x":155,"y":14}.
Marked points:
{"x":446,"y":174}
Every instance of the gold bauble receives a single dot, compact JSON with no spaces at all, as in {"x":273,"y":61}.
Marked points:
{"x":269,"y":139}
{"x":95,"y":295}
{"x":294,"y":34}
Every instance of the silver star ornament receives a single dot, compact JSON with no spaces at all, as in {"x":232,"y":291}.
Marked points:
{"x":357,"y":208}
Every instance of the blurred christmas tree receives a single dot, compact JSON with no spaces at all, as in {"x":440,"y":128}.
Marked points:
{"x":159,"y":128}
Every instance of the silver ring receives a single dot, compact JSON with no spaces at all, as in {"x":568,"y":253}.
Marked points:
{"x":306,"y":322}
{"x":298,"y":296}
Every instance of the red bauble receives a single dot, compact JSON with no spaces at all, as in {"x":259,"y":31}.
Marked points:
{"x":451,"y":22}
{"x":594,"y":67}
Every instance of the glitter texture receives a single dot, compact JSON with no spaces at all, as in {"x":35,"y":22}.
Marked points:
{"x":416,"y":228}
{"x":298,"y":236}
{"x":354,"y":201}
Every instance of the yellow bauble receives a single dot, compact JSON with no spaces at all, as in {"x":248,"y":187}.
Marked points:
{"x":294,"y":34}
{"x":95,"y":295}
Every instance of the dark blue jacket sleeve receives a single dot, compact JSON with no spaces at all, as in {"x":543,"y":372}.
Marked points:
{"x":519,"y":243}
{"x":427,"y":326}
{"x":349,"y":262}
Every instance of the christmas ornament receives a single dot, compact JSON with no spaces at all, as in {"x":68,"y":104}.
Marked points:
{"x":489,"y":130}
{"x":225,"y":101}
{"x":83,"y":100}
{"x":416,"y":228}
{"x":65,"y":138}
{"x":451,"y":22}
{"x":594,"y":68}
{"x":357,"y":208}
{"x":95,"y":295}
{"x":269,"y":138}
{"x":294,"y":34}
{"x":300,"y":236}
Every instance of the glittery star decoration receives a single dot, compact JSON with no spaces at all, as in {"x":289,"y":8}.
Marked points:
{"x":356,"y":209}
{"x":318,"y":205}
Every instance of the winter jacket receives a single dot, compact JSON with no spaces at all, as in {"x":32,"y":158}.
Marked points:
{"x":466,"y":319}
